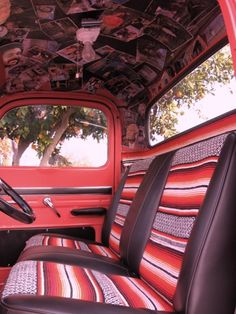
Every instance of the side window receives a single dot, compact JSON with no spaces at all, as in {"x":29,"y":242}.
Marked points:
{"x":53,"y":136}
{"x":207,"y":92}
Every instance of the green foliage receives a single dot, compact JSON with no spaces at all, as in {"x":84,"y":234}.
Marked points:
{"x":193,"y":88}
{"x":45,"y":127}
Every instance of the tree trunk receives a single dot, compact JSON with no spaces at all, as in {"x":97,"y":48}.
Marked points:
{"x":18,"y":151}
{"x":56,"y":138}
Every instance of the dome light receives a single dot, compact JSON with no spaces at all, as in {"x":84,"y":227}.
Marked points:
{"x":88,"y":36}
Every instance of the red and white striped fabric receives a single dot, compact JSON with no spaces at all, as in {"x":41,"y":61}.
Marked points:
{"x":59,"y":280}
{"x":133,"y":181}
{"x":47,"y":240}
{"x":191,"y":171}
{"x":187,"y":182}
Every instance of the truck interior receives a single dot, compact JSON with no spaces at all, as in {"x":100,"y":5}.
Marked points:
{"x":118,"y":156}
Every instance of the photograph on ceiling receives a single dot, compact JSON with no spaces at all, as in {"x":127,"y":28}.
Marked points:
{"x":117,"y":54}
{"x":151,"y":52}
{"x":176,"y":9}
{"x":15,"y":34}
{"x":133,"y":133}
{"x":157,"y":86}
{"x":168,"y":32}
{"x":61,"y":30}
{"x":131,"y":31}
{"x":117,"y":84}
{"x":12,"y":55}
{"x":40,"y":50}
{"x":123,"y":57}
{"x":63,"y":77}
{"x":93,"y":84}
{"x":143,"y":97}
{"x":27,"y":77}
{"x":128,"y":94}
{"x":120,"y":1}
{"x":45,"y":12}
{"x":147,"y":74}
{"x":116,"y":19}
{"x":196,"y":8}
{"x":179,"y":64}
{"x":126,"y":33}
{"x":27,"y":68}
{"x":124,"y":24}
{"x":198,"y":46}
{"x":203,"y":18}
{"x":112,"y":20}
{"x":39,"y":54}
{"x":17,"y":9}
{"x":141,"y":7}
{"x":20,"y":68}
{"x":214,"y":28}
{"x":105,"y":50}
{"x":3,"y":31}
{"x":108,"y":68}
{"x":72,"y":53}
{"x":80,"y":6}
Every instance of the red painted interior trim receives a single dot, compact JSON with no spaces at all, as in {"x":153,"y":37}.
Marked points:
{"x":228,"y":8}
{"x":47,"y":176}
{"x":46,"y":218}
{"x":107,"y":175}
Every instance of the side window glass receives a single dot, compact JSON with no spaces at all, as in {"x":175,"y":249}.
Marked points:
{"x":207,"y":92}
{"x":53,"y":136}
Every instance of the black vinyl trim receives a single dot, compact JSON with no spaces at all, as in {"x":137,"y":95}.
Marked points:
{"x":107,"y":190}
{"x":12,"y":241}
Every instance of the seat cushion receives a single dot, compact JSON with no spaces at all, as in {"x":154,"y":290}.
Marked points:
{"x":129,"y":186}
{"x":65,"y":281}
{"x":69,"y":242}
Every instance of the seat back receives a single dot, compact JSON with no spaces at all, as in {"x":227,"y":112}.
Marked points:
{"x":123,"y":199}
{"x":187,"y":182}
{"x":207,"y":281}
{"x":191,"y":178}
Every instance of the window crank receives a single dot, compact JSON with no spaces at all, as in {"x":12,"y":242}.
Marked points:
{"x":48,"y":202}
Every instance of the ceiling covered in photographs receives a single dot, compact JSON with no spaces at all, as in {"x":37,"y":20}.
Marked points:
{"x":141,"y":47}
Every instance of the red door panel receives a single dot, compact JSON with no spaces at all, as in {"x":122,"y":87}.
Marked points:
{"x":46,"y":217}
{"x":69,"y":188}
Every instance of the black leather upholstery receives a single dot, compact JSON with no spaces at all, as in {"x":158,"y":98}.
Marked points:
{"x":207,"y":282}
{"x":74,"y":257}
{"x":135,"y":236}
{"x":53,"y":305}
{"x":132,"y":242}
{"x":109,"y":218}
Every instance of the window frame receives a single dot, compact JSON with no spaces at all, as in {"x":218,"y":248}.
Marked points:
{"x":38,"y":177}
{"x":205,"y":55}
{"x":67,"y":105}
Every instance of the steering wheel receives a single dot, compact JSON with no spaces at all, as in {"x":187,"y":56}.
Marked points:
{"x":26,"y":215}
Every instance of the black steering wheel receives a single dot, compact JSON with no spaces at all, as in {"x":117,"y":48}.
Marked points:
{"x":26,"y":215}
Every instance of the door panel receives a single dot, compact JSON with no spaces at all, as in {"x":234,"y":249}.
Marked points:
{"x":65,"y":203}
{"x":69,"y":188}
{"x":14,"y":234}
